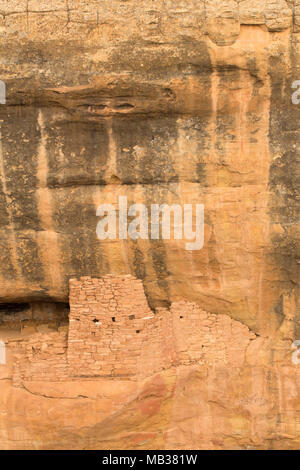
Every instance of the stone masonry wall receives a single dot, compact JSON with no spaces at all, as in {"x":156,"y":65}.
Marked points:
{"x":113,"y":333}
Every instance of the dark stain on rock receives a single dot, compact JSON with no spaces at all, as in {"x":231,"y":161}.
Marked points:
{"x":139,"y":266}
{"x":229,"y":77}
{"x":159,"y":195}
{"x":20,"y":140}
{"x":77,"y":153}
{"x":284,"y":178}
{"x":278,"y":308}
{"x":143,"y":149}
{"x":158,"y":254}
{"x":199,"y":126}
{"x":28,"y":253}
{"x":74,"y":217}
{"x":164,"y":61}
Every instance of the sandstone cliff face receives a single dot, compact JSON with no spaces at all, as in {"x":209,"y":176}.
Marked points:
{"x":182,"y":101}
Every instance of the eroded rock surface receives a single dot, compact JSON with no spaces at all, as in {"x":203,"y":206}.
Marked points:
{"x":180,"y":378}
{"x":178,"y":101}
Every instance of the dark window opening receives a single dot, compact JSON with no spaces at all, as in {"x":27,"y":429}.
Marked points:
{"x":12,"y":308}
{"x":113,"y":319}
{"x":45,"y":312}
{"x":138,"y":331}
{"x":131,"y":317}
{"x":13,"y":314}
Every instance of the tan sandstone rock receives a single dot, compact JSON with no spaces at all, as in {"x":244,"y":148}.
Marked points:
{"x":167,"y":102}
